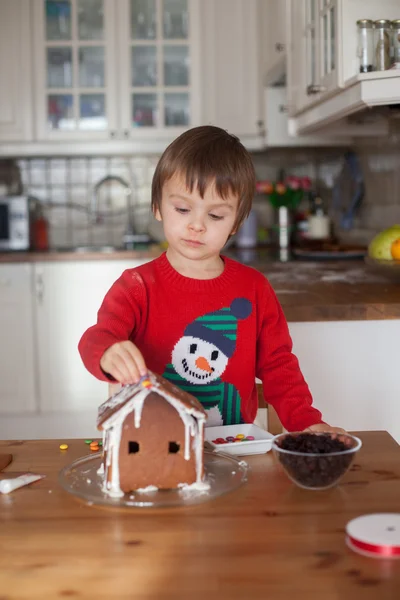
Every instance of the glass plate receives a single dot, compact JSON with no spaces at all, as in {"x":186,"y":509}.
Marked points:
{"x":223,"y":473}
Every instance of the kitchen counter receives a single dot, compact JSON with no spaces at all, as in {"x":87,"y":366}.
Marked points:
{"x":268,"y":539}
{"x":341,"y":290}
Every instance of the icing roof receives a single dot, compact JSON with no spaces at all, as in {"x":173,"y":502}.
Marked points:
{"x":152,"y":383}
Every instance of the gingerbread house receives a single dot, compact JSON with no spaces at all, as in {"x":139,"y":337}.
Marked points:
{"x":153,"y":435}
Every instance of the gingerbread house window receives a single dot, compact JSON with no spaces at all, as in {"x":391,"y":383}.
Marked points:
{"x":174,"y":448}
{"x":133,"y":447}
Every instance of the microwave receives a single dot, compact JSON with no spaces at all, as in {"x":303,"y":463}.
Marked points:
{"x":15,"y":222}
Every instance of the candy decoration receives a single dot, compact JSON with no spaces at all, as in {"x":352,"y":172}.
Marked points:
{"x":88,"y":441}
{"x":63,"y":446}
{"x":240,"y":437}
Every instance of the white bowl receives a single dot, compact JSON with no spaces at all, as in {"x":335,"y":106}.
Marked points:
{"x":260,"y":445}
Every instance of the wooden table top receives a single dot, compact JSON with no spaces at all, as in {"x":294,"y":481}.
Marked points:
{"x":269,"y":539}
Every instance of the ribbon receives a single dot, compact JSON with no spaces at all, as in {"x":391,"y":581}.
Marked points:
{"x":374,"y":548}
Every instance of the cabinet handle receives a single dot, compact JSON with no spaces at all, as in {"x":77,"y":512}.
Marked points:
{"x":279,"y":47}
{"x":126,"y":133}
{"x":113,"y":134}
{"x":39,"y":288}
{"x":283,"y":108}
{"x":314,"y":88}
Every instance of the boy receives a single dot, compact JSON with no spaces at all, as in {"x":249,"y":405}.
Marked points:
{"x":205,"y":322}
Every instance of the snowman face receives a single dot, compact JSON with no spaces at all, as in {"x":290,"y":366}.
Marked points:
{"x":198,"y":361}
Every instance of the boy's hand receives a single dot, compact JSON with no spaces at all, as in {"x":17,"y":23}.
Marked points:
{"x":124,"y":362}
{"x":323,"y":428}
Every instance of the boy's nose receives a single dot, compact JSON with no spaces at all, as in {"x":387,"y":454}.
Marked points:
{"x":197,"y":224}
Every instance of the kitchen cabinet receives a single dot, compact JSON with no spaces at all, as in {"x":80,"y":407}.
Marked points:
{"x":231,"y":68}
{"x":272,"y":32}
{"x":314,"y":55}
{"x":18,"y":381}
{"x":351,"y":368}
{"x":15,"y":71}
{"x":116,"y":69}
{"x":324,"y":83}
{"x":67,"y":298}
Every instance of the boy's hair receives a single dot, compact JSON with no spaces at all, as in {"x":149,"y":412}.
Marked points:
{"x":203,"y":155}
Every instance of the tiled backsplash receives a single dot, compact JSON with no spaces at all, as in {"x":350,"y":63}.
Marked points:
{"x":66,"y":186}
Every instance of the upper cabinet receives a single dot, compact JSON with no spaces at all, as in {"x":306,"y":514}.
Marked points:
{"x":115,"y":69}
{"x":314,"y":58}
{"x":231,"y":68}
{"x":15,"y":71}
{"x":325,"y":84}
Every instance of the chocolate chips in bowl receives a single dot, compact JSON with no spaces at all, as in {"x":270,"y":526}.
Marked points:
{"x":315,"y":461}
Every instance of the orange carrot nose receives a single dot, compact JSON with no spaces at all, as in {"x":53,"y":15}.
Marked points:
{"x":203,"y":364}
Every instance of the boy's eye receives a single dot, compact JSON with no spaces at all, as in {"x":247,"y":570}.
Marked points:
{"x":216,"y":217}
{"x":182,"y":211}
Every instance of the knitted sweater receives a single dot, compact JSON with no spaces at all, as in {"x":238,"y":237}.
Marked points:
{"x":211,"y":337}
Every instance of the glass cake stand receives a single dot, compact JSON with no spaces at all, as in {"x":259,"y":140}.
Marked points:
{"x":223,"y":473}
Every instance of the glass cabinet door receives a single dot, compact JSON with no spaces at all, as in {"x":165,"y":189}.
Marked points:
{"x":311,"y":45}
{"x":75,"y":64}
{"x":160,"y":63}
{"x":328,"y":19}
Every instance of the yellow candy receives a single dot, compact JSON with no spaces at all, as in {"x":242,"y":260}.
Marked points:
{"x":146,"y":383}
{"x":63,"y":446}
{"x":240,"y":436}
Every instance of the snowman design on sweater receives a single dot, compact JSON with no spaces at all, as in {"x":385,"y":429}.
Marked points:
{"x":201,"y":356}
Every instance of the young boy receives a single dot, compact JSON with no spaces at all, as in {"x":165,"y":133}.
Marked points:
{"x":205,"y":322}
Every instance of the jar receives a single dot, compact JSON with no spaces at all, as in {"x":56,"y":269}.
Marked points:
{"x":396,"y":43}
{"x":366,"y":45}
{"x":382,"y":43}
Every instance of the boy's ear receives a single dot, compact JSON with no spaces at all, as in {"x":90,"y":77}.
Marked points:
{"x":157,"y":214}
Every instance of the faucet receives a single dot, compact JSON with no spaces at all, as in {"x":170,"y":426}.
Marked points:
{"x":129,"y":236}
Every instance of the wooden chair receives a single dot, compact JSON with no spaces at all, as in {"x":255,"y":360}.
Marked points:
{"x":274,"y":424}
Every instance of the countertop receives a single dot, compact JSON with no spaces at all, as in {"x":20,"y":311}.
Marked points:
{"x":267,"y":539}
{"x":334,"y":290}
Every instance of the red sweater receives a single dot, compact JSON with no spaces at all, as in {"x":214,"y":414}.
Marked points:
{"x":211,"y":337}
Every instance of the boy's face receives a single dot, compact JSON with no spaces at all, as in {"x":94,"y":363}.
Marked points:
{"x":194,"y":226}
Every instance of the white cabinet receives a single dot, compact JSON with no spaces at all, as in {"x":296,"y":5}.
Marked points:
{"x":15,"y":71}
{"x":18,"y":384}
{"x":272,"y":32}
{"x":231,"y":69}
{"x":277,"y":124}
{"x":313,"y":51}
{"x":68,"y":296}
{"x":324,"y":83}
{"x":116,"y":69}
{"x":352,"y":370}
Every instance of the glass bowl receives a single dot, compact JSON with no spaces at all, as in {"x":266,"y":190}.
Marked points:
{"x":319,"y":465}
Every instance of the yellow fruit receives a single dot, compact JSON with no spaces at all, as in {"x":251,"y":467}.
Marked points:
{"x":395,"y":249}
{"x":380,"y":246}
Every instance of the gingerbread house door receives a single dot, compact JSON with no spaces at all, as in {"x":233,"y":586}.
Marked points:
{"x":154,"y":453}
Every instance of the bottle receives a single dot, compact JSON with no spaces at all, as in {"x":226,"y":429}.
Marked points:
{"x":319,"y":225}
{"x":396,"y":43}
{"x":40,"y":230}
{"x":382,"y":44}
{"x":366,"y":45}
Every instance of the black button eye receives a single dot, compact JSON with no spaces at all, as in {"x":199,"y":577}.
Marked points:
{"x":193,"y":348}
{"x":174,"y":448}
{"x":133,"y":447}
{"x":214,"y":354}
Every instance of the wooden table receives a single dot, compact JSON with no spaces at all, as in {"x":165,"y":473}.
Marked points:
{"x":268,"y":540}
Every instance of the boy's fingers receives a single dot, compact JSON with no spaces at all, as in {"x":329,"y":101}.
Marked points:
{"x":138,"y":359}
{"x":130,"y":365}
{"x":119,"y":363}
